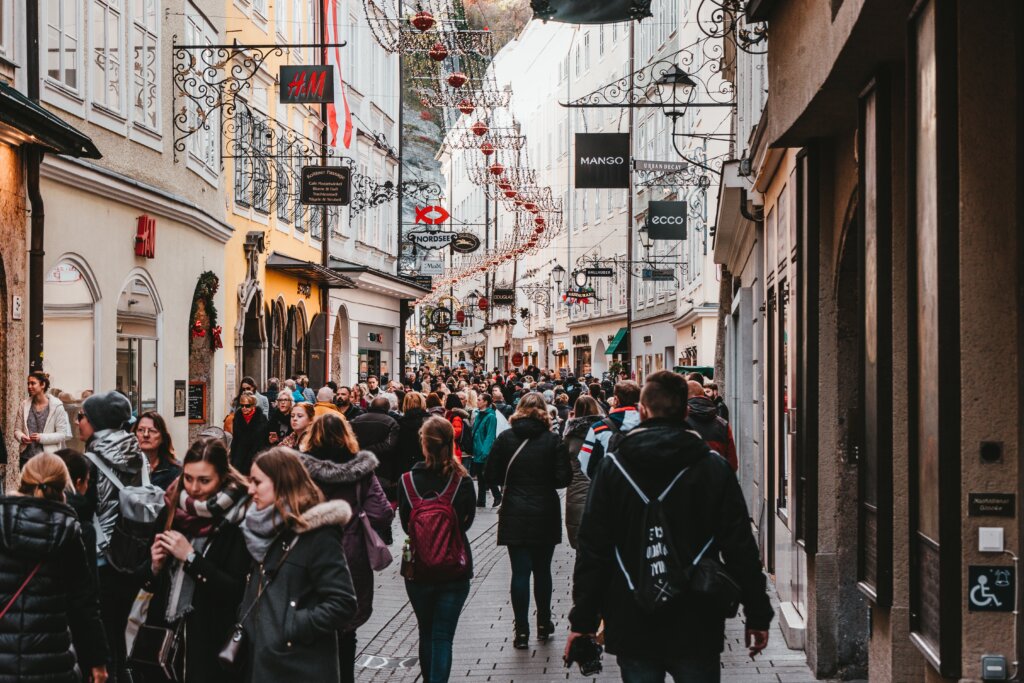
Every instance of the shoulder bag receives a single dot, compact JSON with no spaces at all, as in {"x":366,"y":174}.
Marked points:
{"x":376,"y":549}
{"x":233,"y":652}
{"x":508,"y":468}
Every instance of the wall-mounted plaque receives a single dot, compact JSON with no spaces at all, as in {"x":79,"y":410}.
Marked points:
{"x":196,"y":402}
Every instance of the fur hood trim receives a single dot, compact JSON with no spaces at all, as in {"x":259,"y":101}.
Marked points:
{"x":348,"y":472}
{"x":333,"y":512}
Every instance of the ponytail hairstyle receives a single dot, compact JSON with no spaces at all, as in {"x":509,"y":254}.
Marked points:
{"x":45,"y":476}
{"x":437,"y":439}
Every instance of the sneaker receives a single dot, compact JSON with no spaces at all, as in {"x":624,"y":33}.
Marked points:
{"x":545,"y":629}
{"x":497,"y":502}
{"x":522,"y":638}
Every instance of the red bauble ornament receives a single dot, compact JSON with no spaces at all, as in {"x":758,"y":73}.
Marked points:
{"x":539,"y":220}
{"x":479,"y":128}
{"x":438,"y":52}
{"x":496,"y":168}
{"x":426,"y":115}
{"x":460,"y":316}
{"x":457,"y":79}
{"x":422,"y":20}
{"x":466,"y":106}
{"x":504,"y":184}
{"x":482,"y":304}
{"x":487,"y":148}
{"x":510,"y":194}
{"x":530,"y":206}
{"x":539,"y":229}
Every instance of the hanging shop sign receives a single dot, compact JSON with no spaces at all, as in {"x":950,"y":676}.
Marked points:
{"x":326,"y":185}
{"x":658,"y":274}
{"x":478,"y":353}
{"x":431,"y":240}
{"x":465,"y":243}
{"x":662,"y":166}
{"x":441,"y":319}
{"x":431,"y":215}
{"x":313,"y":84}
{"x":575,"y":12}
{"x":517,"y":359}
{"x":432,"y":267}
{"x":602,"y":160}
{"x":580,"y":295}
{"x":503,"y":297}
{"x":455,"y":332}
{"x":598,"y":272}
{"x":666,"y":220}
{"x":422,"y":280}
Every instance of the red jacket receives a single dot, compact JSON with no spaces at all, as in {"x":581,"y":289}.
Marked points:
{"x":703,"y":418}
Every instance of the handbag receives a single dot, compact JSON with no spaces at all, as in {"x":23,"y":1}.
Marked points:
{"x":233,"y":652}
{"x":710,"y":584}
{"x":156,"y":648}
{"x":376,"y":550}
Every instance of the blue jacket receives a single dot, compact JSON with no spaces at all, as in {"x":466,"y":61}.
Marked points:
{"x":485,"y":428}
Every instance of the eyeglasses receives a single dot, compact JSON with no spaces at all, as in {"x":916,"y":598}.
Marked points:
{"x":248,"y":405}
{"x":146,"y":431}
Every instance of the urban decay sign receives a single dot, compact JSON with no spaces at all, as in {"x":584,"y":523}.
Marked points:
{"x":602,"y":160}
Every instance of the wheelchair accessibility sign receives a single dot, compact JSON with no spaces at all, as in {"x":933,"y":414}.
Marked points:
{"x":990,"y":589}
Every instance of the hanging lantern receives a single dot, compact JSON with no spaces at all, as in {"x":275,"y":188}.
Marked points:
{"x":479,"y":128}
{"x":438,"y":52}
{"x":422,"y":20}
{"x":466,"y":106}
{"x":487,"y":148}
{"x":482,"y":304}
{"x":496,"y":168}
{"x":457,"y":79}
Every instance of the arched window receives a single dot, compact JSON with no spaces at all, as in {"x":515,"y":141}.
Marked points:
{"x":69,"y":327}
{"x":137,"y":344}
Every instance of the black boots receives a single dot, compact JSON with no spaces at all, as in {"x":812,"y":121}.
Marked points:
{"x":522,"y":637}
{"x":545,"y":629}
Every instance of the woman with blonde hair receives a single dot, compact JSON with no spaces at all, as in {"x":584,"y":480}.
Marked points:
{"x":532,"y":463}
{"x":437,"y":602}
{"x":299,"y":593}
{"x":52,"y":623}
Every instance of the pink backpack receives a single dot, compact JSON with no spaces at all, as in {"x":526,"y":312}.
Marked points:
{"x":436,"y":549}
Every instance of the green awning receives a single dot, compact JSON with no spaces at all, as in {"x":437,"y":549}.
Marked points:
{"x":619,"y":344}
{"x":707,"y":371}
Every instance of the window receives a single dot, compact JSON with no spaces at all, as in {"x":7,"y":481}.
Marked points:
{"x":586,"y":51}
{"x":600,"y":41}
{"x":69,"y":330}
{"x":579,"y":62}
{"x":242,"y":161}
{"x":145,"y":65}
{"x":136,"y":373}
{"x":283,"y":179}
{"x":62,"y":42}
{"x":107,"y":50}
{"x":260,"y":162}
{"x":6,"y":28}
{"x":203,"y":144}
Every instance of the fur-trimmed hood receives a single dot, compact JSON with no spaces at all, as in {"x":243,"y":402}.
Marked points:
{"x":326,"y":472}
{"x":333,"y":512}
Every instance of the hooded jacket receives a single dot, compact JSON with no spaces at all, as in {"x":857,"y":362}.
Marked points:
{"x":576,"y":430}
{"x":531,"y":512}
{"x":353,"y":481}
{"x":409,"y":450}
{"x":485,"y":429}
{"x":705,"y":502}
{"x":292,"y":633}
{"x":703,"y":418}
{"x":120,"y":451}
{"x":58,"y":613}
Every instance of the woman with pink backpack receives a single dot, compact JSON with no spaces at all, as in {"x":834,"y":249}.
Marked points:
{"x":436,"y":504}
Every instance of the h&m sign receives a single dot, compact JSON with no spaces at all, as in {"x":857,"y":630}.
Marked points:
{"x":313,"y":84}
{"x":602,"y":160}
{"x":145,"y":237}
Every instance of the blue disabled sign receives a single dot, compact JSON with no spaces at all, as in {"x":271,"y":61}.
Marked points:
{"x":990,"y":589}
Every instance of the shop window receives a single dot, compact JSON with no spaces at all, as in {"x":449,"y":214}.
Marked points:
{"x":63,"y":47}
{"x":137,"y":345}
{"x":69,"y":328}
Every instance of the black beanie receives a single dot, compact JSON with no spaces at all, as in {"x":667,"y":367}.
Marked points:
{"x":107,"y":411}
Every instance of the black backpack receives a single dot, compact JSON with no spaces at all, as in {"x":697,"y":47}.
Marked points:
{"x":660,"y":578}
{"x":466,"y":440}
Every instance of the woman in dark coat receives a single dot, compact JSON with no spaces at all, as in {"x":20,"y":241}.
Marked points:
{"x":199,"y":562}
{"x":249,"y":429}
{"x":299,"y":574}
{"x":532,"y":464}
{"x":58,"y":612}
{"x":414,"y":414}
{"x":343,"y":472}
{"x":586,"y":412}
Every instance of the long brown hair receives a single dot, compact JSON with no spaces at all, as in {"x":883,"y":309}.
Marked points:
{"x":437,"y":439}
{"x":413,"y":399}
{"x":166,"y":451}
{"x":294,"y":490}
{"x":45,"y":476}
{"x":311,"y":414}
{"x":585,"y":405}
{"x":209,"y":450}
{"x":532,"y":405}
{"x":333,"y":432}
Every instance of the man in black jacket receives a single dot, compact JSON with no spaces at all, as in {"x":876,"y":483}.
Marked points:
{"x":377,"y":432}
{"x":685,"y":640}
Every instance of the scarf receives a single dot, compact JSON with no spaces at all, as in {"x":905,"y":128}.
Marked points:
{"x":197,"y":520}
{"x":260,"y":529}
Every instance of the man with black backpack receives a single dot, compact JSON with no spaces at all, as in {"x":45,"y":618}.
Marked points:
{"x":665,"y":550}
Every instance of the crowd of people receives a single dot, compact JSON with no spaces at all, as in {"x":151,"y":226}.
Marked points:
{"x":252,"y":557}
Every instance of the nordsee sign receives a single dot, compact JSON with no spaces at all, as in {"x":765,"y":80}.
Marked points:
{"x":666,"y":221}
{"x":602,"y":160}
{"x":431,"y":240}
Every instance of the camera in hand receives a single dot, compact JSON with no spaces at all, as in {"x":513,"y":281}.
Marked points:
{"x":586,"y":652}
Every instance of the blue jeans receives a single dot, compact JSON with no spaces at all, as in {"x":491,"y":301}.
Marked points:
{"x":437,"y":607}
{"x":682,"y":670}
{"x":526,"y":560}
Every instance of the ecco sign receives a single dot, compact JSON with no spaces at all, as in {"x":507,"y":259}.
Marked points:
{"x":666,"y":221}
{"x":602,"y":160}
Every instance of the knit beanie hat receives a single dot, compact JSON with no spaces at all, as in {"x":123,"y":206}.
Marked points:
{"x":107,"y":411}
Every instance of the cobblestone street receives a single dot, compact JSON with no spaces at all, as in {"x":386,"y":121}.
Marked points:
{"x":483,"y":647}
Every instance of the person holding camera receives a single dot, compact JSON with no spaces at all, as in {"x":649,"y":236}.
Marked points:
{"x":665,"y":552}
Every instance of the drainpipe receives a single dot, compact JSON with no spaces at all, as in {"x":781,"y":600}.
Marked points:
{"x":33,"y":159}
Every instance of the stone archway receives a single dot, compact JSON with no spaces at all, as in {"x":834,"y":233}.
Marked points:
{"x":599,"y":362}
{"x":276,"y":335}
{"x":250,"y":335}
{"x":341,"y":348}
{"x":204,"y":339}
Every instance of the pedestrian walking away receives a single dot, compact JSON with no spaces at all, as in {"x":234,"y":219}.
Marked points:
{"x":532,"y":464}
{"x":586,"y":413}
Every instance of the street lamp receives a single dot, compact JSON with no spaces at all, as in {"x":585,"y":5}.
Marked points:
{"x":675,"y":90}
{"x":558,"y":274}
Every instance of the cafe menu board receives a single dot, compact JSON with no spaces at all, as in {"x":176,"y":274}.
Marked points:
{"x":196,"y":402}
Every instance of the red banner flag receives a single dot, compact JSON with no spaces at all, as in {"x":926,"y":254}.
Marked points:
{"x":334,"y":57}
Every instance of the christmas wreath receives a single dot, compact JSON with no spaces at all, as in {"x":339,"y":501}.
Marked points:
{"x":206,"y":288}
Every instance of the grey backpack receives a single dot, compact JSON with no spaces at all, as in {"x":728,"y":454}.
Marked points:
{"x":137,"y":512}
